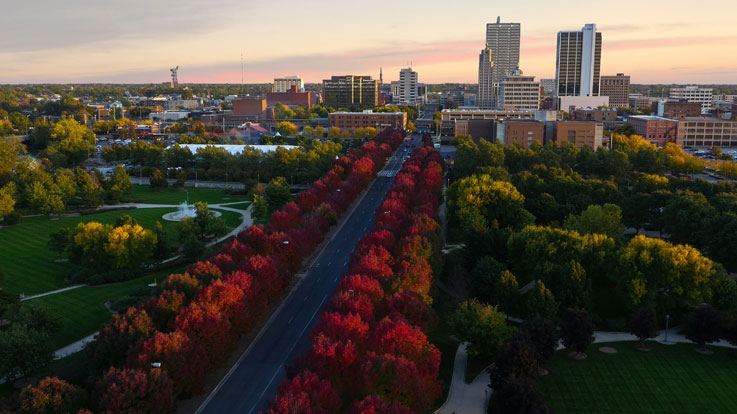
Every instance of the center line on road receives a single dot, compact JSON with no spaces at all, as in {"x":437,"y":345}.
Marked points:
{"x":290,"y":320}
{"x":267,"y":387}
{"x":305,"y":299}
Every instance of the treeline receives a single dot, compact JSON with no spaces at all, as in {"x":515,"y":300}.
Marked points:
{"x":37,"y":187}
{"x":370,"y":352}
{"x":217,"y":164}
{"x":544,"y":235}
{"x":195,"y":321}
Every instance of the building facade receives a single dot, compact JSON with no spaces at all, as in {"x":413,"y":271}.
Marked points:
{"x":503,"y":39}
{"x":519,"y":93}
{"x":655,"y":129}
{"x":578,"y":62}
{"x":351,"y":90}
{"x":292,"y":97}
{"x":249,"y":106}
{"x":485,"y":95}
{"x":548,"y":86}
{"x":617,"y":88}
{"x":579,"y":133}
{"x":407,"y":90}
{"x":707,"y":132}
{"x":522,"y":132}
{"x":704,"y":96}
{"x":350,"y":121}
{"x":677,"y":110}
{"x":284,"y":84}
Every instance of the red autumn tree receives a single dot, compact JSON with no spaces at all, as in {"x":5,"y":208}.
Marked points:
{"x":373,"y":404}
{"x":256,"y":239}
{"x":134,"y":391}
{"x":205,"y":272}
{"x":237,"y":251}
{"x":332,"y":359}
{"x":345,"y":302}
{"x":184,"y":361}
{"x":206,"y":326}
{"x":51,"y":396}
{"x":305,"y":393}
{"x":224,"y":262}
{"x":343,"y":327}
{"x":376,"y":262}
{"x":251,"y":308}
{"x":118,"y":335}
{"x":164,"y":308}
{"x":362,"y":284}
{"x":414,"y":277}
{"x":397,"y":337}
{"x":288,"y":217}
{"x":266,"y":270}
{"x":397,"y":379}
{"x":183,"y":283}
{"x":306,"y":200}
{"x":411,"y":307}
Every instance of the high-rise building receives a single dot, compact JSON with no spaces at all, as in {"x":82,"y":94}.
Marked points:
{"x":578,"y":62}
{"x":285,"y":84}
{"x":519,"y":93}
{"x":704,"y":96}
{"x":350,"y":90}
{"x":485,"y":96}
{"x":407,"y":90}
{"x":503,"y":39}
{"x":617,"y":88}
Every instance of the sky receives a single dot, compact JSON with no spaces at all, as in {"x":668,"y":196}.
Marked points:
{"x":137,"y":41}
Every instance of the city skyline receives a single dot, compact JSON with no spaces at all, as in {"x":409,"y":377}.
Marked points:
{"x":138,"y":45}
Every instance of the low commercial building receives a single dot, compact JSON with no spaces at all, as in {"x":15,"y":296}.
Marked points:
{"x":579,"y":133}
{"x":677,"y":109}
{"x":249,"y":106}
{"x":168,"y":115}
{"x":601,"y":115}
{"x":292,"y":97}
{"x":351,"y":121}
{"x":617,"y":88}
{"x":523,"y":132}
{"x":569,"y":103}
{"x":183,"y":103}
{"x":703,"y":96}
{"x":350,"y":90}
{"x":655,"y":129}
{"x":477,"y":129}
{"x":449,"y":117}
{"x":707,"y":132}
{"x":519,"y":93}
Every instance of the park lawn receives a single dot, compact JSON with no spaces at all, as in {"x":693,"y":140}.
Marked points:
{"x":177,"y":195}
{"x":668,"y":379}
{"x":28,"y":264}
{"x":82,"y":311}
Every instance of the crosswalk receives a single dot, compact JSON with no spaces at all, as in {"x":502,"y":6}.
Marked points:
{"x":389,"y":172}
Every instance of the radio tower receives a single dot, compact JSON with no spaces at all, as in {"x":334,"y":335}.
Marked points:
{"x":174,"y":80}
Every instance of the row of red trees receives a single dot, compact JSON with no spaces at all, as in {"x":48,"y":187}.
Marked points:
{"x":161,"y":349}
{"x":369,"y":353}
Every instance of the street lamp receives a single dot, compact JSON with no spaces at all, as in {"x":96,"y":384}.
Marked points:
{"x":667,"y":322}
{"x":156,"y":364}
{"x":285,"y":242}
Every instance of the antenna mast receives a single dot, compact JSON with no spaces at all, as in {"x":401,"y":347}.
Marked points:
{"x":242,"y":73}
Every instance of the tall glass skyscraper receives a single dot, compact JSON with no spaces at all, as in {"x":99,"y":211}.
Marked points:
{"x":497,"y":61}
{"x":503,"y":39}
{"x":578,"y":62}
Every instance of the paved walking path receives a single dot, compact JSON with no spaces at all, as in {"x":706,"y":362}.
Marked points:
{"x":24,"y":298}
{"x":471,"y":398}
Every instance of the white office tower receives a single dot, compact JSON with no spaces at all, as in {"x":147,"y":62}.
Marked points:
{"x":578,"y":62}
{"x":407,"y":90}
{"x":485,"y":98}
{"x":704,"y":96}
{"x":285,"y":84}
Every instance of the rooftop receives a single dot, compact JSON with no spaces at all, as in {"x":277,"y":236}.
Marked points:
{"x":237,"y":149}
{"x":651,"y":118}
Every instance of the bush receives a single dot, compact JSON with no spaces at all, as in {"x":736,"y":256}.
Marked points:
{"x":644,"y":324}
{"x":577,"y":330}
{"x":192,"y":248}
{"x":704,"y":327}
{"x":519,"y":396}
{"x":13,"y":218}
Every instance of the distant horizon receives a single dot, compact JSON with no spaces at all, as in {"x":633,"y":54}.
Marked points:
{"x":78,"y":42}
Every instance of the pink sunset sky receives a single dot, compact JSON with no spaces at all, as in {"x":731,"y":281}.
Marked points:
{"x":137,"y":41}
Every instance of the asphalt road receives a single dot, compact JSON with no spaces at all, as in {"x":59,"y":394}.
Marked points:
{"x":252,"y":382}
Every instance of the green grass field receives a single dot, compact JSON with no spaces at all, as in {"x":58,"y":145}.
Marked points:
{"x":28,"y":264}
{"x":175,"y":195}
{"x":668,"y":379}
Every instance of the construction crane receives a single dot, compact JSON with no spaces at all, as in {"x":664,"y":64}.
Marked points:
{"x":174,"y":80}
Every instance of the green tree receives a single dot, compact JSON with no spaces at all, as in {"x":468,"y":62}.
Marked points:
{"x":704,"y":326}
{"x":644,"y":324}
{"x":7,"y":202}
{"x":539,"y":301}
{"x":577,"y":330}
{"x":60,"y":240}
{"x":157,"y":179}
{"x":24,"y":351}
{"x":483,"y":326}
{"x":88,"y":188}
{"x":163,"y":246}
{"x":192,"y":248}
{"x":277,"y":193}
{"x":120,"y":183}
{"x":287,"y":129}
{"x":605,"y":219}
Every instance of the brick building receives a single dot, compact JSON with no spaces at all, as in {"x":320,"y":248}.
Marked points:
{"x":249,"y":106}
{"x":677,"y":110}
{"x":579,"y":133}
{"x":477,"y":129}
{"x":707,"y":132}
{"x":350,"y":121}
{"x":292,"y":97}
{"x":523,"y":132}
{"x":601,"y":115}
{"x":654,"y":129}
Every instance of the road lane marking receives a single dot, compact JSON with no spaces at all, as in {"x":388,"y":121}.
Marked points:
{"x":290,"y":320}
{"x":267,"y":387}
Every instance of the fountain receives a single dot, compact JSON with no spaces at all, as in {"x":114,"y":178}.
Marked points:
{"x":185,"y":210}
